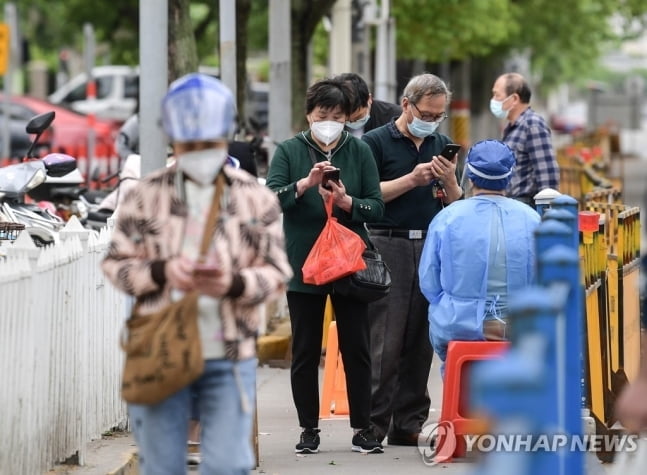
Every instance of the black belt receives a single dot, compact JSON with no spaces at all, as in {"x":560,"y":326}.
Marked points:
{"x":399,"y":233}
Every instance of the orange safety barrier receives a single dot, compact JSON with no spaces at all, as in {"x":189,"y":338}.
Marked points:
{"x":455,"y":389}
{"x":329,"y":316}
{"x":334,"y":398}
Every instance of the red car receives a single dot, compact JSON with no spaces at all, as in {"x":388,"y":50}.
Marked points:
{"x":69,"y":132}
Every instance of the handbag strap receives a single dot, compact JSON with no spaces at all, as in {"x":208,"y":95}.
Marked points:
{"x":214,"y":211}
{"x":370,"y":244}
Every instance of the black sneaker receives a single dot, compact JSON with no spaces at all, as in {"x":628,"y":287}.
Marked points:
{"x":309,"y":442}
{"x":366,"y":442}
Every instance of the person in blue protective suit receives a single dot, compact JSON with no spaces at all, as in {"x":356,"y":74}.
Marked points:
{"x":477,"y":251}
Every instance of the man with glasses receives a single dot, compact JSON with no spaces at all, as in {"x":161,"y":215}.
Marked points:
{"x":528,"y":135}
{"x":416,"y":183}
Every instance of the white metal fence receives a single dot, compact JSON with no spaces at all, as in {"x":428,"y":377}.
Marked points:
{"x":60,"y":361}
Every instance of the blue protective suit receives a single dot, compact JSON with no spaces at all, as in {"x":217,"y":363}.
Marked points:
{"x":455,"y":264}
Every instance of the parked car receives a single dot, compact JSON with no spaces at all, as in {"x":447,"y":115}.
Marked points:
{"x":117,"y":90}
{"x":69,"y":131}
{"x":18,"y":138}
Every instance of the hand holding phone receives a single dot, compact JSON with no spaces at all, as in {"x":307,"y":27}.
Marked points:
{"x":330,"y":175}
{"x":450,"y":151}
{"x":203,"y":269}
{"x":212,"y":278}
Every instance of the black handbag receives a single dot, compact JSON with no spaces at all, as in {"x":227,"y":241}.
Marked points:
{"x":370,"y":284}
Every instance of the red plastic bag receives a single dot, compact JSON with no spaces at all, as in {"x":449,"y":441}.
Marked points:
{"x":336,"y":253}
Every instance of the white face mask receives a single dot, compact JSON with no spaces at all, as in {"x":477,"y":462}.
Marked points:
{"x":327,"y":131}
{"x":202,"y":166}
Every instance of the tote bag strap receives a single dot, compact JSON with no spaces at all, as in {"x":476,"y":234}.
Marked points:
{"x":214,"y":211}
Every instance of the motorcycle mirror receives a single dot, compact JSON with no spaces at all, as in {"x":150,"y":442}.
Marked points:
{"x":37,"y":125}
{"x":59,"y":164}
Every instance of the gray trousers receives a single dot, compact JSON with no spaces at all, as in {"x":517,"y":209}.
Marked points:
{"x":401,"y":351}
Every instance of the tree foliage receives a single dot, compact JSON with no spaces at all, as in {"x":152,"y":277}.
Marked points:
{"x":450,"y":30}
{"x":562,"y":39}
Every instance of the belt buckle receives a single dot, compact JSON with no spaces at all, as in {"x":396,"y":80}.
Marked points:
{"x":415,"y":233}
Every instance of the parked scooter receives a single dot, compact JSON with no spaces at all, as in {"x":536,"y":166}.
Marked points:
{"x":18,"y":179}
{"x":129,"y":174}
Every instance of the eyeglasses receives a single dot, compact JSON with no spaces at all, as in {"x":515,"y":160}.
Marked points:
{"x":430,"y":118}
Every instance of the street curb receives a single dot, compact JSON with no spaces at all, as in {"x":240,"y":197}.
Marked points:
{"x":128,"y":467}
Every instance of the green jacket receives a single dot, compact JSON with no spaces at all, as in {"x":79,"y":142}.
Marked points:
{"x":304,"y":218}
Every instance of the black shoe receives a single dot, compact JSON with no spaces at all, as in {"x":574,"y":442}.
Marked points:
{"x":403,"y":439}
{"x":366,"y":442}
{"x":309,"y":442}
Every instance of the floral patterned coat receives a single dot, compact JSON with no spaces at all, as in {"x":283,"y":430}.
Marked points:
{"x":149,"y":230}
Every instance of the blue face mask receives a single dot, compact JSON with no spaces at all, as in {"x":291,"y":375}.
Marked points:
{"x":496,"y":107}
{"x":359,"y":123}
{"x":420,"y":128}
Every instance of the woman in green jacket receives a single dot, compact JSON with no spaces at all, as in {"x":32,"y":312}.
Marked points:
{"x":295,"y":174}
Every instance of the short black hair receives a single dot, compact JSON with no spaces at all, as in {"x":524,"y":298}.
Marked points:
{"x":359,"y":87}
{"x":515,"y":83}
{"x":329,"y":94}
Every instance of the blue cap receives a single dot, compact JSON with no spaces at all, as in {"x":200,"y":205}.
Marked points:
{"x":490,"y":164}
{"x":198,"y":107}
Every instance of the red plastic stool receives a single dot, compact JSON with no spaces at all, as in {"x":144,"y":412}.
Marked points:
{"x":455,"y":389}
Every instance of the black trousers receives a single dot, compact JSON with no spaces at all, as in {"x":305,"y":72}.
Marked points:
{"x":306,"y":319}
{"x":400,"y":347}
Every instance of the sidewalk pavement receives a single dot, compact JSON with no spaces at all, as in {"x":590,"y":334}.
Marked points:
{"x":278,"y":433}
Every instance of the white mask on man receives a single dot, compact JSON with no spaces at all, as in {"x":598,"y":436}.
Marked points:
{"x":327,"y":131}
{"x":202,"y":166}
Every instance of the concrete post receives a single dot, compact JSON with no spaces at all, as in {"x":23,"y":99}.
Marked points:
{"x":341,"y":38}
{"x":153,"y":63}
{"x":91,"y":95}
{"x":280,"y":98}
{"x":228,"y":44}
{"x":382,"y":54}
{"x":361,"y":51}
{"x":38,"y":79}
{"x":391,"y":81}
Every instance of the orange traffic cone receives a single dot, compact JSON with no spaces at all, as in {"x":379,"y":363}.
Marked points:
{"x":334,"y":399}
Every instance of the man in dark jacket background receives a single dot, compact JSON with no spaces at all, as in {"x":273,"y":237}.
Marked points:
{"x":368,"y":113}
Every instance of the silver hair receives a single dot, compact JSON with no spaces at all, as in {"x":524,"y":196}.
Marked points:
{"x":426,"y":85}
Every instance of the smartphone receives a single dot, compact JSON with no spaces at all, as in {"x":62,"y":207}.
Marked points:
{"x":202,"y":269}
{"x":450,"y":151}
{"x":330,"y":175}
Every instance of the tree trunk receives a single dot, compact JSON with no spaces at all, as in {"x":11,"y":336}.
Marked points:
{"x":182,"y":52}
{"x":305,"y":16}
